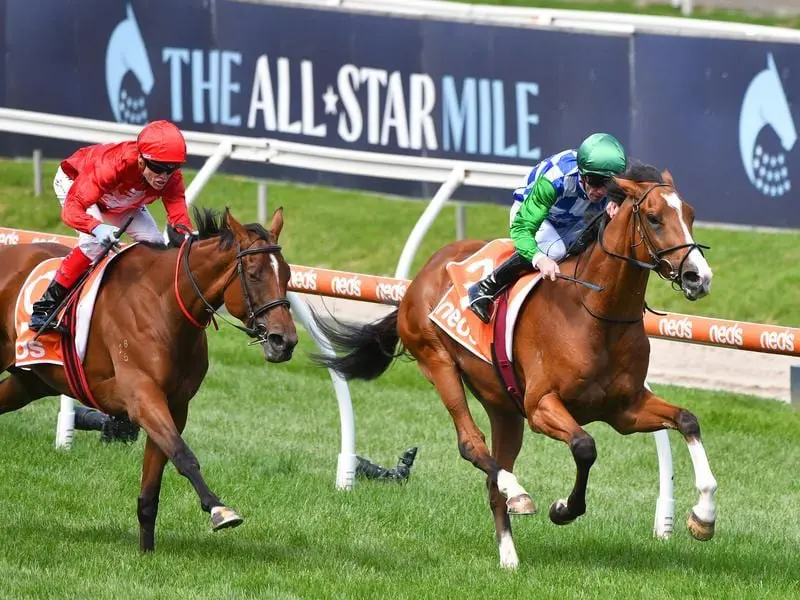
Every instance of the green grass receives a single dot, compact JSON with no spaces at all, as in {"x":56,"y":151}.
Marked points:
{"x":267,"y":439}
{"x":763,"y":17}
{"x":365,"y":233}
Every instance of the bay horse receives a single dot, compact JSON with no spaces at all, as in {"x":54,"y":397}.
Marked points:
{"x":147,"y":352}
{"x":580,"y":355}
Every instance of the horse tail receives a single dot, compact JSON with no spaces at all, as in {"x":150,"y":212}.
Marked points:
{"x":368,"y":349}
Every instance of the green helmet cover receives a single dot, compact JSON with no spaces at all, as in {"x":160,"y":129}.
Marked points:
{"x":601,"y":154}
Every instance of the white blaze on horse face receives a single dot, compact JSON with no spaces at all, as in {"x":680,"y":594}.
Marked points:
{"x":275,"y":267}
{"x":695,"y":259}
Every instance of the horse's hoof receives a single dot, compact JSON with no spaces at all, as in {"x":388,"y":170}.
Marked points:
{"x":521,"y":505}
{"x":700,"y":530}
{"x":223,"y":517}
{"x":559,"y":513}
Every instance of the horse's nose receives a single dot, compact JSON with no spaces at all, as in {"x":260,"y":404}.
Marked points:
{"x":691,"y":278}
{"x":281,"y":342}
{"x":694,"y":284}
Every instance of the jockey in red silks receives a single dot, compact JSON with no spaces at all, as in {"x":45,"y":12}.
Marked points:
{"x":101,"y":186}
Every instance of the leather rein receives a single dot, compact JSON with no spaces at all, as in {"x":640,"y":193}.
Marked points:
{"x":252,"y":329}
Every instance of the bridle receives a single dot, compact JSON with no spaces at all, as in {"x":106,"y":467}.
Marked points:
{"x":657,"y":256}
{"x":251,"y":328}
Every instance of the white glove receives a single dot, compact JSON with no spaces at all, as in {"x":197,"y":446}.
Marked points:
{"x":106,"y":234}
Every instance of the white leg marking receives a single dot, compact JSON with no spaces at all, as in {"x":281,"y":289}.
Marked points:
{"x":508,"y":553}
{"x":508,"y":485}
{"x":704,"y":482}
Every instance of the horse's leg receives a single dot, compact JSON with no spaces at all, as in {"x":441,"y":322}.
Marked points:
{"x":440,"y":370}
{"x":507,"y":431}
{"x":154,"y":416}
{"x":652,"y":413}
{"x":152,"y":471}
{"x":552,"y":419}
{"x":21,"y":388}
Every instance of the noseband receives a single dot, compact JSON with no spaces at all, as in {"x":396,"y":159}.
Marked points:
{"x":252,"y":329}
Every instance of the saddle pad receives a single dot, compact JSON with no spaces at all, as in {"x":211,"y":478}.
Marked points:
{"x":47,"y":348}
{"x":452,"y":313}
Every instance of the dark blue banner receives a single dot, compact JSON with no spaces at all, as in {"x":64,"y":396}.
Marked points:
{"x":718,"y":113}
{"x":721,"y":114}
{"x":322,"y":77}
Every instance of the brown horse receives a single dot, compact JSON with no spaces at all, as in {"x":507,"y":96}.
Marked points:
{"x":146,"y":357}
{"x":580,"y":355}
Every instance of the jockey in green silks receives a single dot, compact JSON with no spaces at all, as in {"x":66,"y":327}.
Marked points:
{"x":549,"y":213}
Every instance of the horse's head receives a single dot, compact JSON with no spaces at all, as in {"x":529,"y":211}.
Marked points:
{"x":257,"y":296}
{"x":661,"y":223}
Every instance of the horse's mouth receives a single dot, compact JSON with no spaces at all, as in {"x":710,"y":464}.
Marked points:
{"x":274,"y":355}
{"x":694,"y":295}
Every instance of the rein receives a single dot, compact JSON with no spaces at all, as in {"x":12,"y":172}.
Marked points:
{"x":252,"y":329}
{"x":656,"y":255}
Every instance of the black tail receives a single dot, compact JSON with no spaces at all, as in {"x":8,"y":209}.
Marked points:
{"x":369,"y":349}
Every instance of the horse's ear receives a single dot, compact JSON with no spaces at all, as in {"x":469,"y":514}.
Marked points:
{"x":237,"y":228}
{"x":277,"y":223}
{"x":631,"y":188}
{"x":667,"y":177}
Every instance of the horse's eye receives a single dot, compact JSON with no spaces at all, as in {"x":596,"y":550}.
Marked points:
{"x":652,"y":219}
{"x":254,"y":275}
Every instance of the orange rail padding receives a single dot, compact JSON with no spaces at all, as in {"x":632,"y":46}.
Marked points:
{"x":388,"y":290}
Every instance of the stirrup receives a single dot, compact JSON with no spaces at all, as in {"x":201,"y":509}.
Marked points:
{"x":53,"y":325}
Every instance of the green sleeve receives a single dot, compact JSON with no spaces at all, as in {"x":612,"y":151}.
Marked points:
{"x":531,"y":215}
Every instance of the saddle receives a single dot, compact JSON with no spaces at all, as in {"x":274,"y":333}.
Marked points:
{"x":492,"y":342}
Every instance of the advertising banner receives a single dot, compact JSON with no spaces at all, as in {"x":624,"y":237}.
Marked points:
{"x":721,"y":115}
{"x":395,"y":85}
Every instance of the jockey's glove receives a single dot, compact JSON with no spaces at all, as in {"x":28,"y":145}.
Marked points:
{"x":105,"y":234}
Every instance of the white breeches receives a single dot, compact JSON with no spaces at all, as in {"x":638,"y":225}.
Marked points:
{"x":143,"y":228}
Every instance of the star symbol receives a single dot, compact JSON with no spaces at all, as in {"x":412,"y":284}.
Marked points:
{"x":330,"y":98}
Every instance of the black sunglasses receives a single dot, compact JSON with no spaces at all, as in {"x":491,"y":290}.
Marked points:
{"x":160,"y":168}
{"x":596,"y":180}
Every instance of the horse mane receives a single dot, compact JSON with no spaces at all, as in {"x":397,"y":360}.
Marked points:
{"x":639,"y":173}
{"x":211,"y":223}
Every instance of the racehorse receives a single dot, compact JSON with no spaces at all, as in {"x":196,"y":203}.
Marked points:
{"x":580,"y":355}
{"x":147,"y":352}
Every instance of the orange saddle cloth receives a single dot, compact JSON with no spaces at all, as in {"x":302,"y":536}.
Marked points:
{"x":47,"y":347}
{"x":452,"y":313}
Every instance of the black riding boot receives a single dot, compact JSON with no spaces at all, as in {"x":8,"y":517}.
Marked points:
{"x":46,"y":305}
{"x":114,"y":429}
{"x":89,"y":419}
{"x":483,"y":293}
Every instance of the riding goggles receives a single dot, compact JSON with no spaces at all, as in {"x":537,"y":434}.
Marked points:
{"x":160,"y":168}
{"x":595,"y":180}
